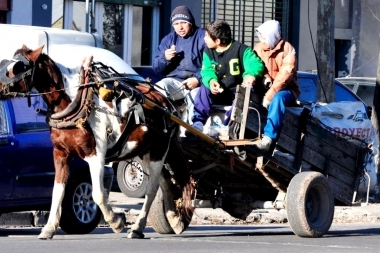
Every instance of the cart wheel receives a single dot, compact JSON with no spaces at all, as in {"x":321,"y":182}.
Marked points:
{"x":309,"y":204}
{"x":157,"y":216}
{"x":158,"y":219}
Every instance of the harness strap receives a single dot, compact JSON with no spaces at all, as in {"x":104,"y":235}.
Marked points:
{"x":116,"y":149}
{"x":139,"y":113}
{"x":76,"y":113}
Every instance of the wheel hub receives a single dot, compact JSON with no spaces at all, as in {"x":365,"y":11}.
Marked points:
{"x":84,"y":206}
{"x":84,"y":201}
{"x":134,"y":176}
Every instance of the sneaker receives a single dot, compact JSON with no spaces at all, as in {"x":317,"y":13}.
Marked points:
{"x":197,"y":125}
{"x":265,"y":143}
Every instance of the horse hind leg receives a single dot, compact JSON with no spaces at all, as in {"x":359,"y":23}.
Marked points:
{"x":100,"y":196}
{"x":173,"y":218}
{"x":136,"y":231}
{"x":177,"y":189}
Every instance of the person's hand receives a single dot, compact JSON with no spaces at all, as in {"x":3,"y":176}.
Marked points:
{"x":248,"y":82}
{"x":266,"y":103}
{"x":170,"y":53}
{"x":190,"y":83}
{"x":215,"y":87}
{"x":267,"y":82}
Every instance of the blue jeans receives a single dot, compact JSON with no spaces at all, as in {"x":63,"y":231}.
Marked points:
{"x":276,"y":112}
{"x":204,"y":99}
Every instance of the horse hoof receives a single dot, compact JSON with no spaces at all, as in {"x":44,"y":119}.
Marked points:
{"x":118,"y":225}
{"x":178,"y":229}
{"x":45,"y":235}
{"x":176,"y":223}
{"x":134,"y":234}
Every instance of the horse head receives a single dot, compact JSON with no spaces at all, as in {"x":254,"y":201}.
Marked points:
{"x":32,"y":69}
{"x":14,"y":72}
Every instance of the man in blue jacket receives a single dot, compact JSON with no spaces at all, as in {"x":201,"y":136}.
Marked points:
{"x":179,"y":57}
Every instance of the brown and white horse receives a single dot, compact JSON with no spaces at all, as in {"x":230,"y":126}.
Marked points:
{"x":98,"y":136}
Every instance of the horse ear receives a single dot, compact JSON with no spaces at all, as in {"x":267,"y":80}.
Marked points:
{"x":36,"y":53}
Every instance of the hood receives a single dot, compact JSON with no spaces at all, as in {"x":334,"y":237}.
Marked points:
{"x":271,"y":30}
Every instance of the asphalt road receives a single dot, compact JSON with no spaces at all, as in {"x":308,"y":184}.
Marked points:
{"x":348,"y":237}
{"x":369,"y":213}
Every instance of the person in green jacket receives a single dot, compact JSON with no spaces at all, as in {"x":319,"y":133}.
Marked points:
{"x":226,"y":64}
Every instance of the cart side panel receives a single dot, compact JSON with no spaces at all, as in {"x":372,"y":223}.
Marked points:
{"x":309,"y":142}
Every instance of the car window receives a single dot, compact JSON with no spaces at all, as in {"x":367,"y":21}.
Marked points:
{"x":343,"y":94}
{"x":27,"y":120}
{"x":3,"y":119}
{"x":308,"y":90}
{"x":366,"y":92}
{"x":350,"y":86}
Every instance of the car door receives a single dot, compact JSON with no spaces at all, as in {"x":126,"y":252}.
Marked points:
{"x":28,"y":155}
{"x":6,"y":173}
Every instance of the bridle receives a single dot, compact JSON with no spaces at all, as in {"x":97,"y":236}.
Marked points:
{"x":28,"y":69}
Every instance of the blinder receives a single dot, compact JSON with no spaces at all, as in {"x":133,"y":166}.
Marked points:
{"x":22,"y":68}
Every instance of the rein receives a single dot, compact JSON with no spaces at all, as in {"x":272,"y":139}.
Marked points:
{"x":28,"y":94}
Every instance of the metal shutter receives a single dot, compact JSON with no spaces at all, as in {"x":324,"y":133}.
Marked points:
{"x":245,"y":15}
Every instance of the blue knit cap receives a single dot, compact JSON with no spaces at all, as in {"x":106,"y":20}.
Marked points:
{"x":182,"y":13}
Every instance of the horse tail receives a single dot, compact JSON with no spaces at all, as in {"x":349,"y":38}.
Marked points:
{"x":181,"y":179}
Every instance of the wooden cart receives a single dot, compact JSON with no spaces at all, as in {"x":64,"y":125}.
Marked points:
{"x":310,"y":171}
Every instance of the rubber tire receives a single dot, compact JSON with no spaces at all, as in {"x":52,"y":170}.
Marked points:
{"x":309,"y":204}
{"x":70,"y":222}
{"x":157,"y":217}
{"x":122,"y":179}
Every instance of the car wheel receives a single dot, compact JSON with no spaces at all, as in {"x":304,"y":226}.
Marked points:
{"x":132,"y":178}
{"x":80,"y":214}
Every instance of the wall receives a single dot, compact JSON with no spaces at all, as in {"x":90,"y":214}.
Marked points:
{"x":369,"y":45}
{"x":30,"y":13}
{"x":21,"y":13}
{"x":306,"y":41}
{"x":195,"y":7}
{"x":357,"y":43}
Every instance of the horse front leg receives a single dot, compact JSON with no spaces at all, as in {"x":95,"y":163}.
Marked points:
{"x":136,"y":230}
{"x":61,"y":176}
{"x":100,"y":195}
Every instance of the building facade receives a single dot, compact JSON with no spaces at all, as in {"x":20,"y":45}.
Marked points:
{"x":133,"y":28}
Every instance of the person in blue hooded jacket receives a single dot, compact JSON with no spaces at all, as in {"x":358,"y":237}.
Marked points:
{"x":178,"y":58}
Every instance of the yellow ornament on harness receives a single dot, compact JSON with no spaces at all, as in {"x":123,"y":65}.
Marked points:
{"x":105,"y":94}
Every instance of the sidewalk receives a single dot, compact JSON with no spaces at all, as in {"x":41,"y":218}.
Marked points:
{"x":202,"y":216}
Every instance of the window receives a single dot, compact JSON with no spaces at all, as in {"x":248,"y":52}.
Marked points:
{"x":57,"y":14}
{"x":308,"y":90}
{"x":343,"y":94}
{"x":3,"y":120}
{"x":27,"y":119}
